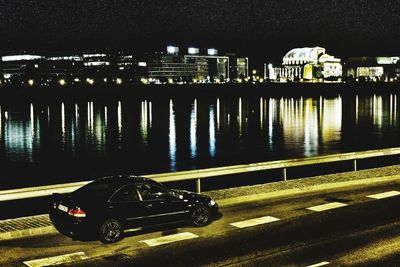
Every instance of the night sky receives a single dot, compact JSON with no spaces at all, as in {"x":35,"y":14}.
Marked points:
{"x":267,"y":28}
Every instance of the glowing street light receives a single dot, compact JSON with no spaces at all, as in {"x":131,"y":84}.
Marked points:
{"x":31,"y":82}
{"x":90,"y":81}
{"x":119,"y":81}
{"x":62,"y":82}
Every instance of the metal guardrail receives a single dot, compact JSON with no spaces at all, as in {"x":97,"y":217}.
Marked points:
{"x":198,"y":175}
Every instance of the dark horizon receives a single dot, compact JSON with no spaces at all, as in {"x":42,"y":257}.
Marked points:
{"x":262,"y":30}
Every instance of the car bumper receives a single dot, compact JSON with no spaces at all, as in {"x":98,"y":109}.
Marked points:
{"x":69,"y":225}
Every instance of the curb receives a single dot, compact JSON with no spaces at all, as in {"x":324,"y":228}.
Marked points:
{"x":34,"y":231}
{"x":27,"y":232}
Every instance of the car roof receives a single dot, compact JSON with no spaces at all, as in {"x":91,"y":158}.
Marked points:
{"x":109,"y":184}
{"x":119,"y":180}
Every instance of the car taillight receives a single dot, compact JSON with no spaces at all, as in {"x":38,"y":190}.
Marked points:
{"x":77,"y":212}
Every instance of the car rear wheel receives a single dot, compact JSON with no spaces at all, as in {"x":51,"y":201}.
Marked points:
{"x":111,"y":231}
{"x":200,"y":216}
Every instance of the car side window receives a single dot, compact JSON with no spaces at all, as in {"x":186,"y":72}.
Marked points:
{"x":151,"y":191}
{"x":126,"y":194}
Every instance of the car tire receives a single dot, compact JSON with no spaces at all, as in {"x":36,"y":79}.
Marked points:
{"x":111,"y":231}
{"x":200,"y":216}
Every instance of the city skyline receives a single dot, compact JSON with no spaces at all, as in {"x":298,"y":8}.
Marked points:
{"x":263,"y":28}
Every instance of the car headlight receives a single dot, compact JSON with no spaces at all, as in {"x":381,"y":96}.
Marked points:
{"x":212,"y":202}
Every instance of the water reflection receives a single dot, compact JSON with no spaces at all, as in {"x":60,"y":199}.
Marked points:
{"x":1,"y":125}
{"x":172,"y":136}
{"x":119,"y":120}
{"x":211,"y":131}
{"x":377,"y":111}
{"x":331,"y":119}
{"x":193,"y":132}
{"x":145,"y":121}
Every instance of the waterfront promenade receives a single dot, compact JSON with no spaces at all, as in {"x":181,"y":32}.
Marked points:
{"x":38,"y":225}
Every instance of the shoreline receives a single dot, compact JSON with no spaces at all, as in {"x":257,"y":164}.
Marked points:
{"x":265,"y":89}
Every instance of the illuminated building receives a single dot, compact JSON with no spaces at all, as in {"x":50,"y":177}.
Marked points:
{"x":20,"y":68}
{"x":104,"y":67}
{"x":373,"y":69}
{"x":47,"y":69}
{"x":307,"y":64}
{"x":193,"y":66}
{"x":238,"y":67}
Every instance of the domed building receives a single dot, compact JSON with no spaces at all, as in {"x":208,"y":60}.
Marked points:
{"x":308,"y":64}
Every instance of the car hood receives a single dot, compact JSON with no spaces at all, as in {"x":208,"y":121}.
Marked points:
{"x":190,"y":195}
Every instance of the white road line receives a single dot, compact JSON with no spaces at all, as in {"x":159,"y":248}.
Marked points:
{"x":319,"y":264}
{"x":385,"y":195}
{"x":255,"y":221}
{"x":328,"y":206}
{"x":169,"y":239}
{"x":57,"y":260}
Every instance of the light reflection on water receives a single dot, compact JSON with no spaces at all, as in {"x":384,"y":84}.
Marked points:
{"x":155,"y":135}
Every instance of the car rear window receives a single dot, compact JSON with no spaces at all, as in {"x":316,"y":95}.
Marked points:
{"x":98,"y":189}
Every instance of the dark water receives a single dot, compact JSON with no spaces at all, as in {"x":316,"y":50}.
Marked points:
{"x":49,"y":141}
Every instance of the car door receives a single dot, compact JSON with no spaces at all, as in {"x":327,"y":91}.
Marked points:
{"x":160,"y":204}
{"x":127,"y":205}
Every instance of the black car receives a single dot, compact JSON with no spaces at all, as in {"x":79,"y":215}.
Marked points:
{"x":109,"y":205}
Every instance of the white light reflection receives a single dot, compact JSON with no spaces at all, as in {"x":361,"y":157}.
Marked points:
{"x":48,"y":116}
{"x":144,"y":122}
{"x":240,"y":117}
{"x":377,"y":111}
{"x":391,"y":110}
{"x":88,"y":115}
{"x":1,"y":124}
{"x":218,"y":114}
{"x":32,"y":120}
{"x":356,"y":110}
{"x":76,"y":112}
{"x":211,"y":131}
{"x":395,"y":109}
{"x":310,"y":129}
{"x":172,"y":136}
{"x":63,"y":120}
{"x":151,"y":114}
{"x":271,"y":115}
{"x":99,"y":130}
{"x":105,"y":116}
{"x":119,"y":118}
{"x":193,"y":130}
{"x":18,"y":138}
{"x":261,"y":113}
{"x":91,"y":116}
{"x":331,"y":126}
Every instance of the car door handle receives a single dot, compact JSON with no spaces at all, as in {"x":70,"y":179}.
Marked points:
{"x":149,"y":205}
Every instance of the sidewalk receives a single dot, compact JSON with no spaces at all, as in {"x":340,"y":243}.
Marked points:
{"x":40,"y":224}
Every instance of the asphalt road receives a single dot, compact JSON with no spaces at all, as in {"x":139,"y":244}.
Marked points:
{"x":359,"y":231}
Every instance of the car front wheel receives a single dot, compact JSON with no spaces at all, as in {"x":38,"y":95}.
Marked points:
{"x":200,"y":216}
{"x":111,"y":231}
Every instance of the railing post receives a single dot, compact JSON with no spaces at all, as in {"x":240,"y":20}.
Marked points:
{"x":198,"y":185}
{"x":284,"y":174}
{"x":355,"y":165}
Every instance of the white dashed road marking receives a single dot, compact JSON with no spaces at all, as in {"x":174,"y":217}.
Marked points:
{"x":385,"y":195}
{"x":329,"y":206}
{"x":168,"y":239}
{"x":319,"y":264}
{"x":254,"y":222}
{"x":57,"y":260}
